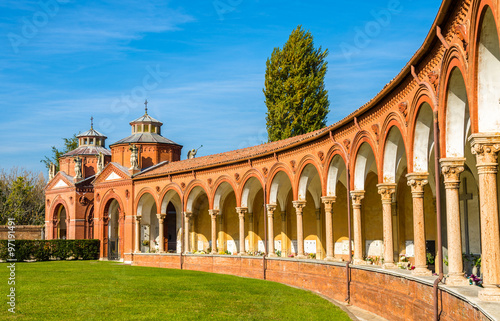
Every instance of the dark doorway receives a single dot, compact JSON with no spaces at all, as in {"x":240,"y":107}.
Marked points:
{"x":170,"y":229}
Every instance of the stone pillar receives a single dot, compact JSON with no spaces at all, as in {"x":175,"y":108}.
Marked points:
{"x":299,"y":208}
{"x":486,"y":148}
{"x":328,"y":201}
{"x":187,"y":221}
{"x":356,"y":197}
{"x":284,"y":247}
{"x":241,"y":215}
{"x":451,"y":169}
{"x":137,"y":234}
{"x":386,"y":190}
{"x":319,"y":245}
{"x":417,"y":181}
{"x":161,"y":217}
{"x":213,"y":216}
{"x":251,"y":233}
{"x":270,"y":230}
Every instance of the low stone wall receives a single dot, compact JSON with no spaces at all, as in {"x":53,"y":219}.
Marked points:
{"x":390,"y":294}
{"x":23,"y":232}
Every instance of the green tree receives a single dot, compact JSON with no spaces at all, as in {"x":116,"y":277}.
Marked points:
{"x":22,"y":197}
{"x":69,"y":145}
{"x":296,"y":99}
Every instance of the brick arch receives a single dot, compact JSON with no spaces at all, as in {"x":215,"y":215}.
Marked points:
{"x":144,"y":191}
{"x":417,"y":104}
{"x":106,"y":200}
{"x":189,"y":189}
{"x":279,"y":167}
{"x":336,"y":150}
{"x":306,"y":161}
{"x":478,"y":11}
{"x":361,"y":138}
{"x":225,"y":179}
{"x":455,"y":61}
{"x":249,"y":174}
{"x":391,"y":125}
{"x":59,"y":201}
{"x":170,"y":187}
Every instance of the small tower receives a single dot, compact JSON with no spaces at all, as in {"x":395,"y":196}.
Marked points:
{"x":85,"y":158}
{"x":146,"y":146}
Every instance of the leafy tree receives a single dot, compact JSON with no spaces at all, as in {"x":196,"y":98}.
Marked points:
{"x":69,"y":145}
{"x":22,"y":197}
{"x":296,"y":99}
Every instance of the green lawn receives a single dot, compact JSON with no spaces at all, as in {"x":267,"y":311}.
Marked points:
{"x":92,"y":290}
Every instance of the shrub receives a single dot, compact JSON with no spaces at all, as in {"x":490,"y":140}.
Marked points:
{"x":51,"y":249}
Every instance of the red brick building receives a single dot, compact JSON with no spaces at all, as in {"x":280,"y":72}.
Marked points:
{"x":430,"y":137}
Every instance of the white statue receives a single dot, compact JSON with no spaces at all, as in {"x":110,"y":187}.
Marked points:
{"x":134,"y":157}
{"x":192,"y":153}
{"x":100,"y":163}
{"x":78,"y":167}
{"x":52,"y":171}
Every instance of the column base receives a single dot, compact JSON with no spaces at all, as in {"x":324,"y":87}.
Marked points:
{"x":490,"y":294}
{"x":301,"y":257}
{"x":457,"y":280}
{"x":332,"y":259}
{"x":272,"y":255}
{"x":359,"y":262}
{"x":389,"y":265}
{"x":421,"y":271}
{"x":242,"y":253}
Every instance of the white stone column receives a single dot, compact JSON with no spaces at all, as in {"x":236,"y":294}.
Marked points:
{"x":451,"y":169}
{"x":328,"y":202}
{"x":270,"y":230}
{"x":486,"y":148}
{"x":161,"y":217}
{"x":213,"y":216}
{"x":137,"y":234}
{"x":357,"y":197}
{"x":241,"y":215}
{"x":299,"y":208}
{"x":417,"y":181}
{"x":386,"y":190}
{"x":187,"y":221}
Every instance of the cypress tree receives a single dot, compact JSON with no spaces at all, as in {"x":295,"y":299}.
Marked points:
{"x":296,"y":99}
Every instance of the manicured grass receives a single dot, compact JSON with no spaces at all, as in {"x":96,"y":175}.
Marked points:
{"x":93,"y":290}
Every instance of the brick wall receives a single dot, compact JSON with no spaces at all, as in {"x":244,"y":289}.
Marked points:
{"x":23,"y":232}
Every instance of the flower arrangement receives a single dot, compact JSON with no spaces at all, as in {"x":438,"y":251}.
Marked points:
{"x":145,"y":242}
{"x":255,"y":253}
{"x":277,"y":252}
{"x":312,"y":256}
{"x":475,"y":280}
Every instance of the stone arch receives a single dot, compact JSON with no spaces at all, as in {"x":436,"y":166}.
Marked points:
{"x":487,"y":66}
{"x":140,"y":196}
{"x":224,"y":188}
{"x":171,"y":205}
{"x":251,"y":187}
{"x":280,"y":186}
{"x":146,"y":202}
{"x":171,"y":195}
{"x":195,"y":191}
{"x":394,"y":153}
{"x":336,"y":168}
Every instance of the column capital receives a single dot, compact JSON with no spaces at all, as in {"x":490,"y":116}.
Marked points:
{"x":451,"y":169}
{"x":137,"y":218}
{"x":161,"y":216}
{"x":188,"y":214}
{"x":213,"y":213}
{"x":271,"y":207}
{"x":417,"y":181}
{"x":328,"y":201}
{"x":486,"y":148}
{"x":299,"y":205}
{"x":386,"y":190}
{"x":356,"y":197}
{"x":242,"y":211}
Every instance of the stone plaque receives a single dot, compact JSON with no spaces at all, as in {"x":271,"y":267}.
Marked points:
{"x":294,"y":246}
{"x":261,"y":247}
{"x":374,"y":247}
{"x":200,"y":246}
{"x":410,"y":249}
{"x":277,"y":245}
{"x":310,"y":246}
{"x":247,"y":245}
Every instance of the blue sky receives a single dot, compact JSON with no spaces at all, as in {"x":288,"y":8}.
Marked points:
{"x":200,"y":64}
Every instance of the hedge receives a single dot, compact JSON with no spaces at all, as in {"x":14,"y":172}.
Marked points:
{"x":50,"y":250}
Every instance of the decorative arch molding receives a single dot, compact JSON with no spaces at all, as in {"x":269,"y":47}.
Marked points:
{"x":417,"y":104}
{"x":142,"y":199}
{"x":308,"y":170}
{"x":332,"y":174}
{"x":147,"y":190}
{"x":275,"y":169}
{"x":55,"y":203}
{"x":454,"y":69}
{"x":390,"y":152}
{"x":172,"y":187}
{"x":106,"y":201}
{"x":188,"y":203}
{"x":478,"y":13}
{"x":248,"y":175}
{"x":220,"y":193}
{"x":361,"y":138}
{"x":249,"y":192}
{"x":309,"y":160}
